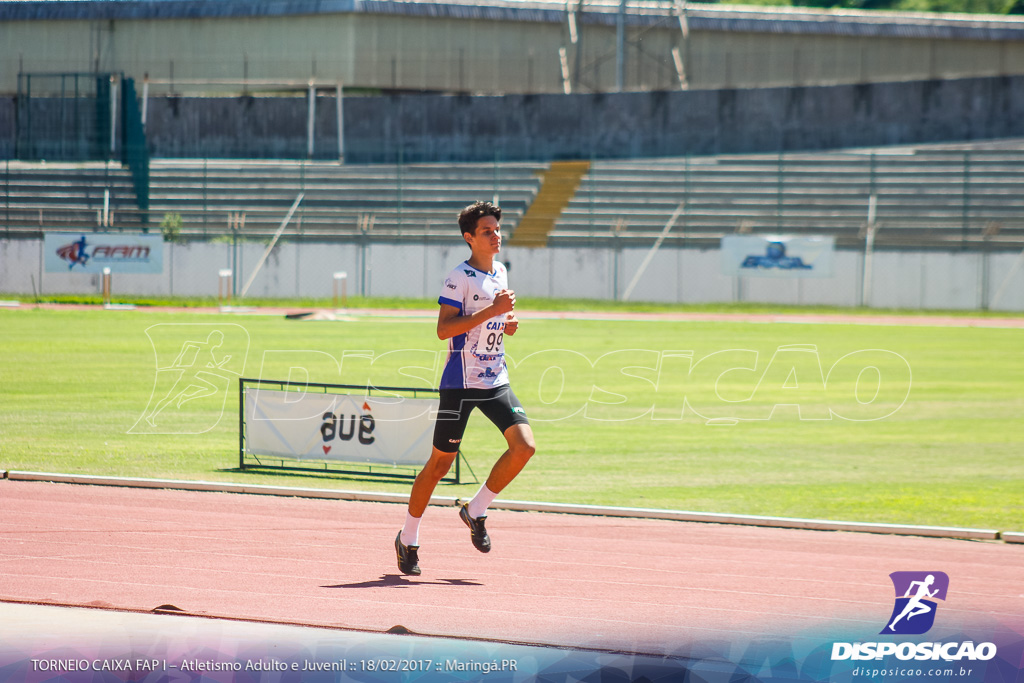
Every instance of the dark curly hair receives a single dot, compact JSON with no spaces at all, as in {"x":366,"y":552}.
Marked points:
{"x":470,"y":215}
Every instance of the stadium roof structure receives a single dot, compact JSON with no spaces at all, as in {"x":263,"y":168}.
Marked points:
{"x":700,"y":17}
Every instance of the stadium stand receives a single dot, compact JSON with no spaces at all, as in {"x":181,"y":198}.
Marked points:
{"x":42,"y":196}
{"x":934,"y":196}
{"x":385,"y":200}
{"x":927,"y":196}
{"x":209,"y":196}
{"x":560,"y":182}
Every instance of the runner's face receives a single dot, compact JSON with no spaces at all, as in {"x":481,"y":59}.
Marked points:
{"x":486,"y":239}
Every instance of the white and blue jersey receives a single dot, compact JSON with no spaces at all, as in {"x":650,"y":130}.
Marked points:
{"x":476,"y":359}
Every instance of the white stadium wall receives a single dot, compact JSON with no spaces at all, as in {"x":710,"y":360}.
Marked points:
{"x":967,"y":280}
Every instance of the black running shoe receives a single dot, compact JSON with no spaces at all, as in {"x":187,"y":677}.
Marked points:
{"x":408,"y":561}
{"x":477,"y":531}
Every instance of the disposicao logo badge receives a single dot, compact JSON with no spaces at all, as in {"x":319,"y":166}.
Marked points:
{"x":914,"y":614}
{"x":916,"y":593}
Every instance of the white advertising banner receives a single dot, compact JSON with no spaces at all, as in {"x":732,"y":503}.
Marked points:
{"x":777,"y":256}
{"x":91,"y":252}
{"x":344,"y":427}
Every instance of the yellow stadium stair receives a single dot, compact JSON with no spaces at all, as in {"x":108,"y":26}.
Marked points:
{"x":558,"y":186}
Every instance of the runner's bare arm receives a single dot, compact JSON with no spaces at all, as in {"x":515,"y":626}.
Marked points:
{"x":451,"y":324}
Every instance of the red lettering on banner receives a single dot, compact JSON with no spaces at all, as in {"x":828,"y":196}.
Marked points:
{"x":125,"y":251}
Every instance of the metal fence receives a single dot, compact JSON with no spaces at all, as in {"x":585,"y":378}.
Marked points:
{"x":64,"y":117}
{"x":83,"y":117}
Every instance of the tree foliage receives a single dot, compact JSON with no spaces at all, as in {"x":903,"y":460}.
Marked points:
{"x":949,"y":6}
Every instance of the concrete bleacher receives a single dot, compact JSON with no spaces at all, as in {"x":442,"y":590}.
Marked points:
{"x":338,"y":200}
{"x":928,"y":196}
{"x":212,"y":196}
{"x":40,"y":196}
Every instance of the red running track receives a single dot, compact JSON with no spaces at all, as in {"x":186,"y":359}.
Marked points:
{"x":645,"y":586}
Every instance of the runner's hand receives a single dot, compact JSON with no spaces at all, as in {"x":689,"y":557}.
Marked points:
{"x":505,"y":301}
{"x":511,"y":324}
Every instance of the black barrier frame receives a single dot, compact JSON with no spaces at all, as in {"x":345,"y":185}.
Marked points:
{"x":369,"y":471}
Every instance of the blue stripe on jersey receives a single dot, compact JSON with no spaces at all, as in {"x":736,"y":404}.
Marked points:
{"x":450,"y":302}
{"x":453,"y":376}
{"x":494,"y":272}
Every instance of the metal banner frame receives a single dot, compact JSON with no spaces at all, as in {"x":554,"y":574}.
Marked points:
{"x":249,"y":461}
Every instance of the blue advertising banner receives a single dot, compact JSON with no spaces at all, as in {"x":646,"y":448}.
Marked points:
{"x":92,"y":252}
{"x":777,"y":256}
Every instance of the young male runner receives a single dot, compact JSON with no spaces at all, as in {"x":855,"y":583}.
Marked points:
{"x":475,"y":315}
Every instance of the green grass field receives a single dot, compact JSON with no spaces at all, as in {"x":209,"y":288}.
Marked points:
{"x":915,"y":424}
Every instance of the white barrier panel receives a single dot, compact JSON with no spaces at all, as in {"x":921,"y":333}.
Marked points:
{"x":343,"y":427}
{"x":950,"y":279}
{"x":777,"y":256}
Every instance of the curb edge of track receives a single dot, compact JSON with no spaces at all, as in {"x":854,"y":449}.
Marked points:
{"x":529,"y":506}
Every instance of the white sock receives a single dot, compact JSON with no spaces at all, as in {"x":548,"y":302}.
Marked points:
{"x":411,"y":530}
{"x":481,"y":501}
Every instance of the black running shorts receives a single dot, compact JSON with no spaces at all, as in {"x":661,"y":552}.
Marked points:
{"x":499,"y":404}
